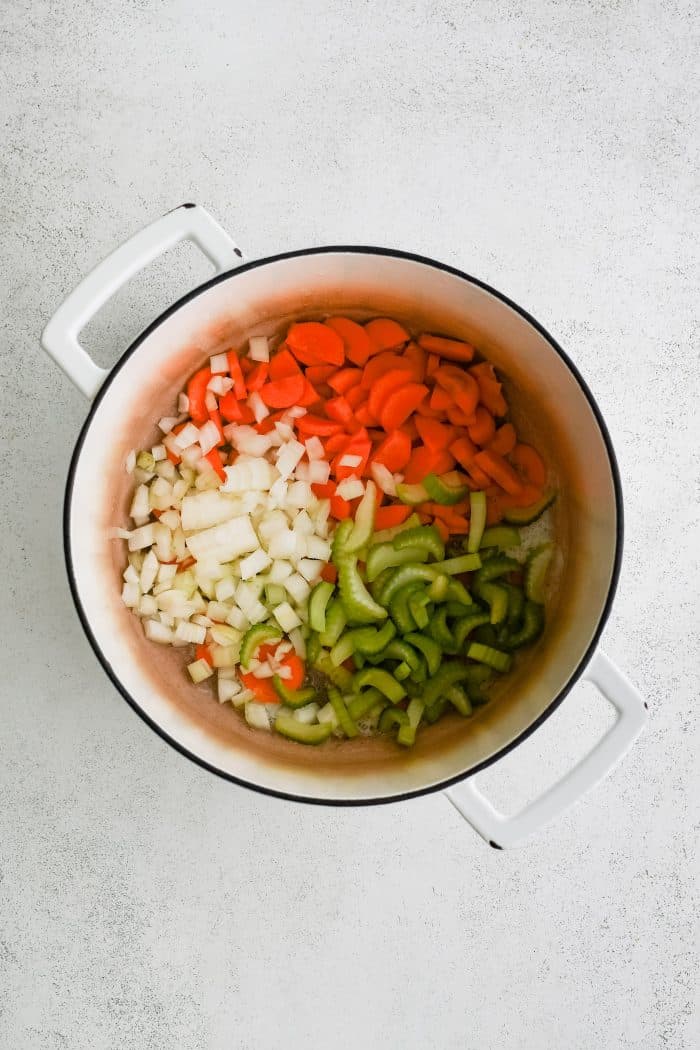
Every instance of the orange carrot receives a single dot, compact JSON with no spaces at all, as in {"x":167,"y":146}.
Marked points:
{"x":489,"y":388}
{"x":320,"y":373}
{"x":385,"y":386}
{"x":416,"y":359}
{"x":329,"y":573}
{"x":530,"y":464}
{"x":358,"y":346}
{"x":394,"y":451}
{"x":196,"y":394}
{"x":339,"y":409}
{"x":434,"y":435}
{"x":391,"y":516}
{"x":462,"y":387}
{"x":452,"y":349}
{"x":258,"y":376}
{"x":424,"y":462}
{"x":503,"y":440}
{"x":432,"y":365}
{"x":356,"y":396}
{"x":283,"y":365}
{"x":345,"y":380}
{"x":484,"y":428}
{"x":386,"y":334}
{"x":440,"y":399}
{"x":214,"y":459}
{"x":236,"y":373}
{"x":399,"y":405}
{"x":314,"y":343}
{"x":311,"y":424}
{"x":379,"y":366}
{"x":498,"y":468}
{"x":202,"y":652}
{"x":283,"y":393}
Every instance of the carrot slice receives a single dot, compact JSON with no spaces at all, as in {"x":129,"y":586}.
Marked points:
{"x":283,"y":365}
{"x":196,"y":394}
{"x":336,"y":443}
{"x":432,"y":365}
{"x":324,"y":490}
{"x":462,"y":387}
{"x":356,"y":396}
{"x":283,"y":393}
{"x":489,"y":388}
{"x":464,"y":450}
{"x":379,"y":366}
{"x":314,"y":343}
{"x":399,"y":405}
{"x":262,"y":688}
{"x":529,"y":463}
{"x":528,"y":495}
{"x":236,"y":373}
{"x":258,"y":376}
{"x":440,"y":526}
{"x":329,"y":573}
{"x":214,"y":459}
{"x":435,"y":436}
{"x":483,"y":428}
{"x":310,"y":396}
{"x":345,"y":380}
{"x":391,"y":516}
{"x":440,"y":400}
{"x":385,"y":334}
{"x":504,"y":440}
{"x":415,"y":357}
{"x":358,"y":346}
{"x":385,"y":386}
{"x":394,"y":451}
{"x":423,"y":462}
{"x":457,"y":524}
{"x":365,"y":417}
{"x":339,"y":409}
{"x":311,"y":424}
{"x":358,"y":446}
{"x":294,"y":664}
{"x":500,"y":470}
{"x":230,"y":408}
{"x":340,"y":508}
{"x":202,"y":652}
{"x":452,"y":349}
{"x":268,"y":423}
{"x":320,"y":373}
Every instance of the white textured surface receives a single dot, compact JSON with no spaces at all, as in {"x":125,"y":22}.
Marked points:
{"x":548,"y":148}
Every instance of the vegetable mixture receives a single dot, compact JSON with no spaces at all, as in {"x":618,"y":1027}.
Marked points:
{"x":338,"y":528}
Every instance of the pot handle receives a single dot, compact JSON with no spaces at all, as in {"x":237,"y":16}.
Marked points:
{"x":60,"y":337}
{"x":503,"y":832}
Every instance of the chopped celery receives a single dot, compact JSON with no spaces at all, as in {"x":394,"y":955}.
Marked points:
{"x":447,"y":489}
{"x":399,"y":608}
{"x":499,"y":565}
{"x":382,"y":680}
{"x":463,"y":563}
{"x":301,"y":733}
{"x":318,"y":601}
{"x":414,"y":713}
{"x":345,"y":721}
{"x":538,"y":563}
{"x":357,"y":602}
{"x":502,"y":536}
{"x":496,"y":597}
{"x":254,"y":637}
{"x":339,"y":676}
{"x":368,"y":641}
{"x":335,"y":623}
{"x":364,"y":521}
{"x":293,"y":697}
{"x":458,"y":698}
{"x":425,"y":537}
{"x":386,"y":555}
{"x":411,"y":494}
{"x":429,"y":648}
{"x":530,"y":629}
{"x":477,"y":520}
{"x":486,"y":654}
{"x":526,"y":515}
{"x":403,"y":575}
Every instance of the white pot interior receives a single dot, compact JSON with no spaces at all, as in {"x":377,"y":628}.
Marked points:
{"x":549,"y":407}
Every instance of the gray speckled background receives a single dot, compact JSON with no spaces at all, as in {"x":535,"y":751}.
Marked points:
{"x":549,"y":148}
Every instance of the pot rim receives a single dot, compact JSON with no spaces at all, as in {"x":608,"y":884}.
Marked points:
{"x":605,"y":611}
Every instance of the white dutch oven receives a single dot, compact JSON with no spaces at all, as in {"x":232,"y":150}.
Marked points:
{"x":543,"y":386}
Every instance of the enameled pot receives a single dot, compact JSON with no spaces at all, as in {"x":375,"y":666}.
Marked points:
{"x":550,"y":401}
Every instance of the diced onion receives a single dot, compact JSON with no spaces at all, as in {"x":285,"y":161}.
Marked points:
{"x":208,"y":436}
{"x":199,"y":671}
{"x":130,"y":461}
{"x":319,"y":471}
{"x":310,"y":568}
{"x":286,"y":617}
{"x":183,"y":403}
{"x":350,"y":488}
{"x":314,"y":448}
{"x":167,"y":423}
{"x":258,"y":348}
{"x":298,"y":641}
{"x":218,"y":363}
{"x":256,"y":715}
{"x":384,"y":478}
{"x":288,"y":456}
{"x":157,"y":632}
{"x":190,"y":632}
{"x":159,"y":453}
{"x":131,"y":595}
{"x":258,"y":407}
{"x":350,"y":461}
{"x":256,"y":562}
{"x":220,"y":385}
{"x":187,"y":436}
{"x":297,"y":587}
{"x":210,"y":402}
{"x":141,"y":538}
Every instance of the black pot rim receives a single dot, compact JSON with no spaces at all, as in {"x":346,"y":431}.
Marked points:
{"x":605,"y":611}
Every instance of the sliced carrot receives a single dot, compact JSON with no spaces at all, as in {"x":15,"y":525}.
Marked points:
{"x":202,"y":652}
{"x":416,"y":358}
{"x":529,"y":463}
{"x":311,"y":424}
{"x":379,"y":366}
{"x":459,"y":418}
{"x":310,"y":395}
{"x":358,"y":346}
{"x":464,"y":450}
{"x":258,"y":376}
{"x":324,"y":490}
{"x":434,"y":435}
{"x":440,"y":526}
{"x":503,"y":440}
{"x":432,"y":365}
{"x":336,"y":443}
{"x":498,"y":468}
{"x":383,"y":387}
{"x":236,"y":373}
{"x":462,"y":387}
{"x":345,"y":380}
{"x":391,"y":516}
{"x":329,"y":573}
{"x":489,"y":388}
{"x":214,"y":459}
{"x":262,"y":688}
{"x":283,"y":365}
{"x":528,"y":495}
{"x":186,"y":563}
{"x":230,"y":408}
{"x":196,"y":394}
{"x":386,"y":334}
{"x":314,"y":343}
{"x":320,"y":373}
{"x":356,"y":396}
{"x":399,"y":405}
{"x":395,"y":451}
{"x":452,"y":349}
{"x":283,"y":393}
{"x":266,"y":425}
{"x":423,"y":462}
{"x":340,"y":508}
{"x":295,"y":665}
{"x":358,"y":446}
{"x":483,"y":428}
{"x":457,"y":524}
{"x":440,"y":400}
{"x":424,"y":409}
{"x":364,"y":416}
{"x":339,"y":409}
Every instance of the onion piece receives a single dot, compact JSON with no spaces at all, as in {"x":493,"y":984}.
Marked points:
{"x":350,"y":461}
{"x":218,"y":363}
{"x":286,"y":617}
{"x":258,"y":348}
{"x":167,"y":423}
{"x":350,"y":488}
{"x":384,"y":478}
